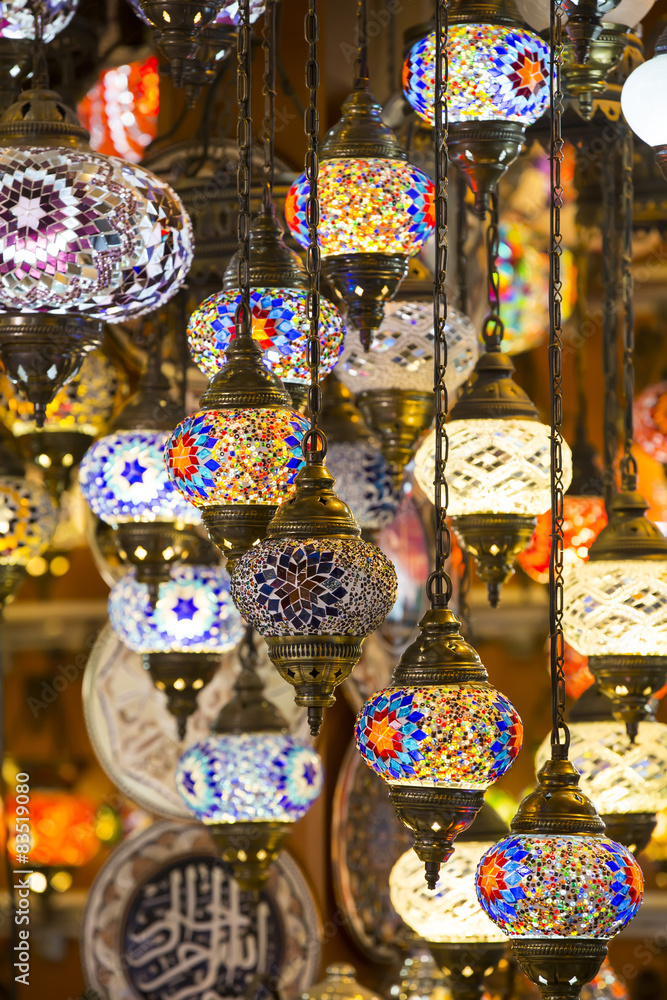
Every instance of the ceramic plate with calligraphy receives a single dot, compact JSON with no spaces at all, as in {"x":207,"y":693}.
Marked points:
{"x":367,"y":839}
{"x":166,"y":921}
{"x":133,"y":734}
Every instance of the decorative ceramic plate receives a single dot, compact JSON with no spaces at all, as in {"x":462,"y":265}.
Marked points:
{"x":367,"y":839}
{"x":132,"y":732}
{"x":166,"y":921}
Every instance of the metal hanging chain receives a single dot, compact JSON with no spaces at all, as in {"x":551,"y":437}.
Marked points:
{"x":314,"y":442}
{"x":40,"y":73}
{"x":559,"y":749}
{"x":243,"y":318}
{"x":439,"y":585}
{"x":493,"y":327}
{"x":361,"y":67}
{"x":269,"y":42}
{"x":609,"y":323}
{"x":461,"y":244}
{"x":628,"y":461}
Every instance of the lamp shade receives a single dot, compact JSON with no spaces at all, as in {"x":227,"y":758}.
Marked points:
{"x":370,"y":205}
{"x":401,"y":351}
{"x":558,"y":887}
{"x":496,"y":73}
{"x":194,"y":612}
{"x":450,"y":913}
{"x":280,"y":325}
{"x":123,"y":478}
{"x":17,"y":20}
{"x":249,"y":778}
{"x":640,"y":100}
{"x":28,"y":518}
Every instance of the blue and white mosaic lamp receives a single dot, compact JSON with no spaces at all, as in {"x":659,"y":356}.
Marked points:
{"x":249,"y":781}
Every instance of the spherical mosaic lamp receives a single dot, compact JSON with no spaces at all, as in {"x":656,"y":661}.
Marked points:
{"x":498,"y":469}
{"x":557,"y":886}
{"x":249,"y":781}
{"x":615,"y":609}
{"x":28,"y":519}
{"x":183,"y":636}
{"x":376,"y":211}
{"x":464,"y":942}
{"x":77,"y":414}
{"x":280,"y":323}
{"x":439,"y":736}
{"x":643,"y":113}
{"x":314,"y":589}
{"x":626,"y":780}
{"x":123,"y":479}
{"x":498,"y":85}
{"x":393,"y":380}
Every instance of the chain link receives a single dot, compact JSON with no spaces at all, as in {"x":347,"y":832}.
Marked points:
{"x":610,"y":323}
{"x":439,"y":585}
{"x":628,"y":461}
{"x":493,"y":328}
{"x":461,"y":244}
{"x":361,"y":72}
{"x":314,"y":442}
{"x":244,"y":137}
{"x":269,"y":43}
{"x":556,"y":590}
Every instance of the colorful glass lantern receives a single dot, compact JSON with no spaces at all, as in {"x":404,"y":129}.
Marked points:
{"x":626,"y":780}
{"x":557,"y":886}
{"x":62,"y":829}
{"x":28,"y":519}
{"x":313,"y":589}
{"x":616,"y":609}
{"x":393,"y":380}
{"x":650,"y":416}
{"x":583,"y":520}
{"x":438,"y":736}
{"x":280,"y":324}
{"x":133,"y":87}
{"x":123,"y":479}
{"x":498,"y":85}
{"x":643,"y":113}
{"x":76,"y":415}
{"x":498,"y":469}
{"x":249,"y":781}
{"x":17,"y":20}
{"x":377,"y":211}
{"x":183,"y":636}
{"x":464,"y":942}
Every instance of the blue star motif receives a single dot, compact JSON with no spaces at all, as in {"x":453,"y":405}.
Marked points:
{"x":185,"y":608}
{"x":134,"y":471}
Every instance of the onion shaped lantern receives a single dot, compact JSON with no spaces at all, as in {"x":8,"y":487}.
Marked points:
{"x":498,"y":85}
{"x":280,"y":323}
{"x":183,"y":636}
{"x":439,"y":736}
{"x":249,"y":781}
{"x":377,"y":211}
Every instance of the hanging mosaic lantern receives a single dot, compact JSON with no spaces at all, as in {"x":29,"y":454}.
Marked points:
{"x":438,"y":736}
{"x":17,"y":21}
{"x":363,"y":478}
{"x":183,"y":636}
{"x":280,"y":324}
{"x":123,"y":479}
{"x":314,"y":589}
{"x":464,"y":942}
{"x":376,"y":211}
{"x":28,"y":519}
{"x":82,"y":238}
{"x":626,"y":780}
{"x":498,"y":469}
{"x":498,"y":85}
{"x":76,"y":415}
{"x":557,"y":886}
{"x":249,"y":781}
{"x":643,"y":113}
{"x":393,"y":380}
{"x":616,"y":609}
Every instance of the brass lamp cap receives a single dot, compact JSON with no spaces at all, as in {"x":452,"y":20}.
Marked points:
{"x":244,"y":381}
{"x":249,"y":711}
{"x":494,"y":394}
{"x":41,"y":118}
{"x":361,"y":133}
{"x":485,"y":12}
{"x":557,"y":805}
{"x":152,"y":407}
{"x":629,"y":533}
{"x":272,"y":263}
{"x":439,"y":655}
{"x":313,"y":509}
